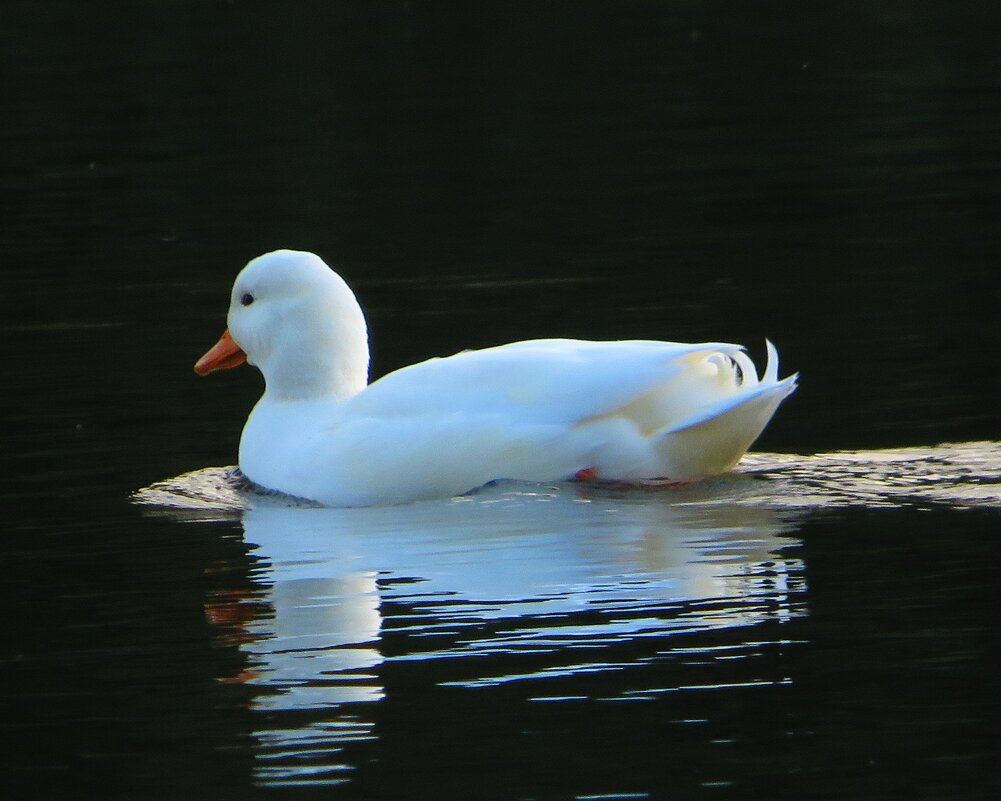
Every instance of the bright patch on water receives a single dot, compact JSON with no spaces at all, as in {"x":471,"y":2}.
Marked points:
{"x":961,"y":474}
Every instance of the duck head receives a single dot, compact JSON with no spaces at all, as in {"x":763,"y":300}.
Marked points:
{"x":299,"y":323}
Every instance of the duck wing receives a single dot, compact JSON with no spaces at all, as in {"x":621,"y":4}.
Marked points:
{"x":546,"y":381}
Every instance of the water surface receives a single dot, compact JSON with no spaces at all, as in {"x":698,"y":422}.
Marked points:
{"x":818,"y":625}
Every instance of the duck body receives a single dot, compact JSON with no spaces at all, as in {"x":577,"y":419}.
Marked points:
{"x":539,"y":410}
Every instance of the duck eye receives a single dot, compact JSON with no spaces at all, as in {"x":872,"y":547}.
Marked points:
{"x":247,"y":299}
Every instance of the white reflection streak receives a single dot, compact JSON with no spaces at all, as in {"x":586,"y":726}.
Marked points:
{"x":321,"y":628}
{"x":532,"y":559}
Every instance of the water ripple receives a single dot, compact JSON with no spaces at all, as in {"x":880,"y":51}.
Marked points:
{"x":960,"y":474}
{"x":542,"y":590}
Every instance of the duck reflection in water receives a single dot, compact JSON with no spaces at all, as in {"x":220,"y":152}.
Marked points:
{"x":550,"y":581}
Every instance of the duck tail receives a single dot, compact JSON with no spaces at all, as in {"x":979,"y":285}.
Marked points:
{"x":714,"y":439}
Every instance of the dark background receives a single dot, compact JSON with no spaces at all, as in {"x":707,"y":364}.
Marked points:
{"x":824,"y":174}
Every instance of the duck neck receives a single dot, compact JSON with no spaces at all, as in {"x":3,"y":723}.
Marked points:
{"x":333,"y":369}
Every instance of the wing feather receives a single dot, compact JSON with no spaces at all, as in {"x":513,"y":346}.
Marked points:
{"x":542,"y":381}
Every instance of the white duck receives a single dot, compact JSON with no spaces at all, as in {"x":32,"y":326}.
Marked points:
{"x":541,"y":410}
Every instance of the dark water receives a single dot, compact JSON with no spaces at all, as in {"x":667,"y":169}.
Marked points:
{"x":815,"y":627}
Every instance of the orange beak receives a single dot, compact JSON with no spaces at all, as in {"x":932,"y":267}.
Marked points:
{"x":223,"y":355}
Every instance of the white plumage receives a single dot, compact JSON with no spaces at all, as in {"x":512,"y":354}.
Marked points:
{"x":541,"y":410}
